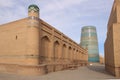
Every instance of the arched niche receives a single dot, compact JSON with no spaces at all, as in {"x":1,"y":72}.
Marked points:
{"x":64,"y":51}
{"x":69,"y":52}
{"x":56,"y":50}
{"x":45,"y":48}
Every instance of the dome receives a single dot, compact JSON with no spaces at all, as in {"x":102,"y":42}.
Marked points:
{"x":33,"y":7}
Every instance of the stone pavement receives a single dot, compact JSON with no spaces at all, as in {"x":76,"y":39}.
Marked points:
{"x":94,"y":72}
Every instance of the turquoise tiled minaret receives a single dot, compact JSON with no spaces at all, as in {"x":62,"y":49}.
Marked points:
{"x":89,"y":40}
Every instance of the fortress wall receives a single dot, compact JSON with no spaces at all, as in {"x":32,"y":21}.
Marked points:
{"x":18,"y":48}
{"x":112,"y":43}
{"x":69,"y":50}
{"x":13,"y":42}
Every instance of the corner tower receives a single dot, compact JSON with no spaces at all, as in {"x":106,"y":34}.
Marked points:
{"x":33,"y":35}
{"x":33,"y":10}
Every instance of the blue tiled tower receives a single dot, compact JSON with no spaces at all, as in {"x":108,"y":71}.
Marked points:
{"x":89,"y":40}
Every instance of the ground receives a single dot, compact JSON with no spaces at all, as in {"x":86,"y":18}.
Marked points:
{"x":93,"y":72}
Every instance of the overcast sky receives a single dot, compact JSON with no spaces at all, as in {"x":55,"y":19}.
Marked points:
{"x":68,"y":16}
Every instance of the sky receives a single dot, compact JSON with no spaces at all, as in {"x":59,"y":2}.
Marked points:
{"x":68,"y":16}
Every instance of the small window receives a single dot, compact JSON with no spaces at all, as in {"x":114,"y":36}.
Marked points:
{"x":16,"y":37}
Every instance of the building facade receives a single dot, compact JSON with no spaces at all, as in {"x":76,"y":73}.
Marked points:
{"x":31,"y":45}
{"x":102,"y":60}
{"x":112,"y":43}
{"x":89,"y":41}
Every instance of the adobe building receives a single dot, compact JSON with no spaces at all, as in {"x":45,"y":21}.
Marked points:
{"x":112,"y":43}
{"x":32,"y":46}
{"x":101,"y":60}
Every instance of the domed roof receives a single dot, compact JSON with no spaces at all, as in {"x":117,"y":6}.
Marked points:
{"x":33,"y":7}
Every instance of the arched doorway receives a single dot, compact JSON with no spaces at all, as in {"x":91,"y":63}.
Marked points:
{"x":45,"y":48}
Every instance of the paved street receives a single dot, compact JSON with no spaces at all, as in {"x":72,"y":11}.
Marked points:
{"x":94,"y":72}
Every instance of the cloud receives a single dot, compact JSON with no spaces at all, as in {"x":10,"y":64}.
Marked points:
{"x":54,"y":5}
{"x":7,"y":3}
{"x":10,"y":10}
